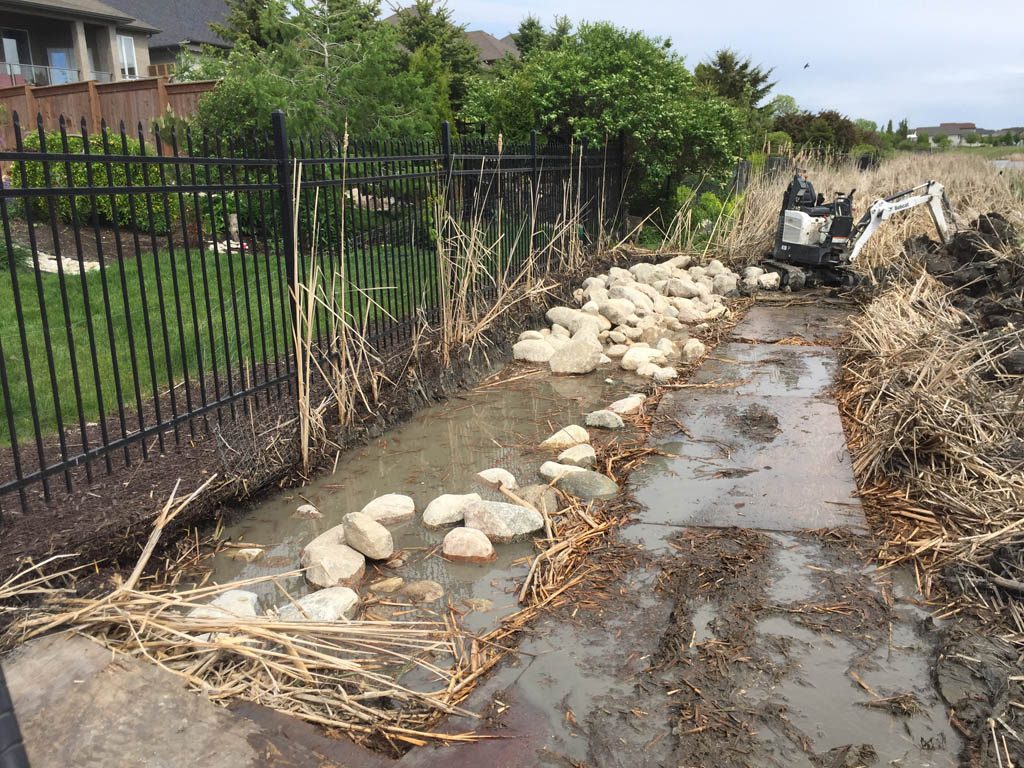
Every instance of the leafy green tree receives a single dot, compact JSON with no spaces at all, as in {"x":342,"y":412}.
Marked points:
{"x":530,"y":36}
{"x":782,"y":105}
{"x":736,"y":79}
{"x":923,"y":140}
{"x":604,"y":80}
{"x":866,"y":126}
{"x":904,"y":129}
{"x":778,"y":143}
{"x":340,"y":67}
{"x":942,"y":141}
{"x":825,"y":130}
{"x":971,"y":138}
{"x":888,"y":128}
{"x":430,"y":24}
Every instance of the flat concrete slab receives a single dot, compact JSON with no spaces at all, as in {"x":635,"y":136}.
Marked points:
{"x":81,"y":705}
{"x":821,"y":322}
{"x":770,"y":370}
{"x":778,"y":464}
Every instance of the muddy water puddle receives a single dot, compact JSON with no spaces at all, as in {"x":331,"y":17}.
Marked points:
{"x":846,"y":684}
{"x":439,"y":450}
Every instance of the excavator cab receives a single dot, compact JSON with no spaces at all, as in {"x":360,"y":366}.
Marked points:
{"x":816,"y":242}
{"x":811,"y":233}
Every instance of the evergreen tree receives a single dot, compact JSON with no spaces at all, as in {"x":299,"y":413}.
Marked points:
{"x":260,"y":23}
{"x":530,"y":36}
{"x":430,"y":24}
{"x":736,"y":79}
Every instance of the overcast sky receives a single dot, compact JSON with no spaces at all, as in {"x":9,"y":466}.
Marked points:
{"x":930,"y":61}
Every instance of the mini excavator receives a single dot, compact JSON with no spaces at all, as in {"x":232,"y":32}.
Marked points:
{"x":817,"y":242}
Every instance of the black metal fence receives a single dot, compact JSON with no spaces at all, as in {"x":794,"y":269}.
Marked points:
{"x":147,"y":291}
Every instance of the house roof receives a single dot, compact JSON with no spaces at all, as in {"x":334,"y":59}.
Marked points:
{"x":179,"y":21}
{"x":490,"y":48}
{"x":79,"y":9}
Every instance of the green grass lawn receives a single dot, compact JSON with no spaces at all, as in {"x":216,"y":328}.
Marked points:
{"x":245,"y":319}
{"x":990,"y":153}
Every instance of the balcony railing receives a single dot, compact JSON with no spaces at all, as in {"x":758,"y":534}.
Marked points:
{"x":31,"y":74}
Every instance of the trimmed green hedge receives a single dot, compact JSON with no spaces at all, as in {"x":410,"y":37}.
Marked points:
{"x":109,"y":209}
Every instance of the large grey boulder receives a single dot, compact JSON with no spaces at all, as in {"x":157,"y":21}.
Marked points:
{"x":587,"y":485}
{"x":497,"y":477}
{"x":532,"y":351}
{"x":329,"y":564}
{"x":543,"y":497}
{"x":448,"y":508}
{"x":693,"y":350}
{"x":578,"y":456}
{"x":617,"y":310}
{"x":604,"y":419}
{"x":552,"y":470}
{"x":231,"y":604}
{"x":467,"y":545}
{"x":575,"y":320}
{"x":577,"y":357}
{"x":332,"y":604}
{"x":626,"y":405}
{"x":566,"y":437}
{"x":501,"y":522}
{"x":637,"y":356}
{"x":391,"y":509}
{"x":366,"y":535}
{"x":632,"y":293}
{"x":682,"y":287}
{"x":725,"y":284}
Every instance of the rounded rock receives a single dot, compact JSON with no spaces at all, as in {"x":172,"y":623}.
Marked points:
{"x":467,"y":545}
{"x":366,"y":535}
{"x":391,"y":509}
{"x":566,"y":437}
{"x":449,"y":508}
{"x":497,"y":477}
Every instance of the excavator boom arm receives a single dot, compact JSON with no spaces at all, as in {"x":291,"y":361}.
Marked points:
{"x":931,"y":193}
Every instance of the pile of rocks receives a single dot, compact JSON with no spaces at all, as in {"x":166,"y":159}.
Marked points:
{"x":335,"y":562}
{"x":637,"y":318}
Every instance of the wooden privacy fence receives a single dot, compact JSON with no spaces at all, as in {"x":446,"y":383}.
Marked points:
{"x":131,"y":101}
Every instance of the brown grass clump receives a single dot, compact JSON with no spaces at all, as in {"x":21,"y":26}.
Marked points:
{"x":935,"y":428}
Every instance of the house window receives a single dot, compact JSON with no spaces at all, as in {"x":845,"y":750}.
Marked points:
{"x":14,"y":52}
{"x":62,"y":65}
{"x":129,"y":67}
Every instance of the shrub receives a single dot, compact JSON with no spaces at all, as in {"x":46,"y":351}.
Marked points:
{"x":779,"y":143}
{"x":109,"y":209}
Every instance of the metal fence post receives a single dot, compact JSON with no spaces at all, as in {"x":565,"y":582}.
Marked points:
{"x":286,"y":185}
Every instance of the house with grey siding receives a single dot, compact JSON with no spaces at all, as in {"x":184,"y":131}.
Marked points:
{"x":52,"y":42}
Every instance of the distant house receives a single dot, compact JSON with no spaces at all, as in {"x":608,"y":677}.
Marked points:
{"x":958,"y":132}
{"x":488,"y":47}
{"x":51,"y":42}
{"x":184,"y":25}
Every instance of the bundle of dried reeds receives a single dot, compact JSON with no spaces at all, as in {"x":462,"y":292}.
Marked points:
{"x":935,"y":426}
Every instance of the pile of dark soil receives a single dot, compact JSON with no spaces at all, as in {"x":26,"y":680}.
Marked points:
{"x":984,"y":265}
